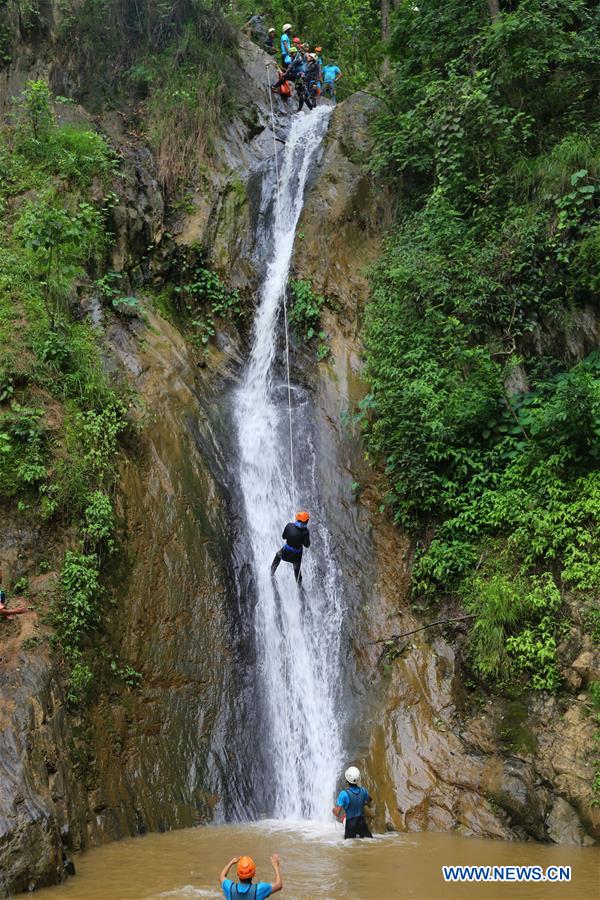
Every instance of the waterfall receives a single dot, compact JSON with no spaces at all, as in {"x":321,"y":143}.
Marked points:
{"x":297,"y":631}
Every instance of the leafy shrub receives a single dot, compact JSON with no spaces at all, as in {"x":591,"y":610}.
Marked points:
{"x":77,"y":612}
{"x":23,"y":450}
{"x":99,"y":520}
{"x":487,"y":131}
{"x":81,"y":679}
{"x":202,"y":298}
{"x":305,"y":314}
{"x":515,"y":627}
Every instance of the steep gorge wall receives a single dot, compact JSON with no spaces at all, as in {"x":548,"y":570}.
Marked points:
{"x":156,"y":757}
{"x":436,"y":760}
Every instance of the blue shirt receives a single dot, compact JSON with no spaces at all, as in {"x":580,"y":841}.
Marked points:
{"x":330,"y":73}
{"x":353,"y":800}
{"x":285,"y":44}
{"x":263,"y":889}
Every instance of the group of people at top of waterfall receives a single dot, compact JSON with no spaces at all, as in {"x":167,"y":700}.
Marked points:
{"x":302,"y":69}
{"x":350,"y":807}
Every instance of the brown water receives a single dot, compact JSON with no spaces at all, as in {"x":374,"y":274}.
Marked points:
{"x":316,"y":863}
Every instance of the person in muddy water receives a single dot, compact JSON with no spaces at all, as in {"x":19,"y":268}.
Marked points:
{"x":351,"y":806}
{"x":246,"y":870}
{"x":296,"y":537}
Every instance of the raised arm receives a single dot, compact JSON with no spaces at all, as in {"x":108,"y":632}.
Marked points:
{"x":225,"y":869}
{"x":278,"y":883}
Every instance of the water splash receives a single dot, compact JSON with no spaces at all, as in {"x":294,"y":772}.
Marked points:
{"x":297,"y":632}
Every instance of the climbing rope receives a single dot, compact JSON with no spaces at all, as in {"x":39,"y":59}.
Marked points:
{"x":283,"y":296}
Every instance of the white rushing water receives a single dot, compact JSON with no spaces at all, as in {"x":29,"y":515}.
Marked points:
{"x":297,"y":632}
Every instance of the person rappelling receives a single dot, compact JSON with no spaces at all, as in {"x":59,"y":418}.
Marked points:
{"x":293,"y":71}
{"x":351,"y":806}
{"x":296,"y":537}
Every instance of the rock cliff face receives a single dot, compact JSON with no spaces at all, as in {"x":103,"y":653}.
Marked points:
{"x":512,"y":769}
{"x":157,"y":757}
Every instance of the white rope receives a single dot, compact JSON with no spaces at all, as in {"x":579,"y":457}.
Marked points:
{"x":285,"y":315}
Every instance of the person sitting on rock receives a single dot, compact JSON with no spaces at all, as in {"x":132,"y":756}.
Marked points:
{"x":246,"y":870}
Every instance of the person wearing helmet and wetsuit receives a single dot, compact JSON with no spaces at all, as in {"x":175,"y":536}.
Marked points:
{"x":246,"y":870}
{"x":296,"y":537}
{"x":351,"y":805}
{"x":293,"y":71}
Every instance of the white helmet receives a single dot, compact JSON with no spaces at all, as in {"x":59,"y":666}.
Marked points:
{"x":352,"y":775}
{"x":286,"y":27}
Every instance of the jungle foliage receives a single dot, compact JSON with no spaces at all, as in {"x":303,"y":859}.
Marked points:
{"x":486,"y":420}
{"x":176,"y":57}
{"x":60,"y":418}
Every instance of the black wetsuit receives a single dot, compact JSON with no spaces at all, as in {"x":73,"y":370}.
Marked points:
{"x":296,"y":537}
{"x":303,"y":92}
{"x":313,"y":76}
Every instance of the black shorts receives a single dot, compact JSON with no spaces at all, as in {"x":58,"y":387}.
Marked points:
{"x":290,"y":556}
{"x":357,"y":828}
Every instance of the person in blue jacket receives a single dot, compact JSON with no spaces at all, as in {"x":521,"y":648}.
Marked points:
{"x":331,"y":74}
{"x":351,"y":806}
{"x":285,"y":43}
{"x":245,"y":888}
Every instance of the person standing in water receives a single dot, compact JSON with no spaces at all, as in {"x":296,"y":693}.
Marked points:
{"x":246,"y":870}
{"x":296,"y":537}
{"x":351,"y":806}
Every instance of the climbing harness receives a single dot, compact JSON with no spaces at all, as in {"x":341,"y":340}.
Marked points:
{"x":285,"y":315}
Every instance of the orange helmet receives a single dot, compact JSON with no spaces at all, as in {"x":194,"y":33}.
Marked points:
{"x":318,"y":49}
{"x":302,"y":517}
{"x":246,"y":867}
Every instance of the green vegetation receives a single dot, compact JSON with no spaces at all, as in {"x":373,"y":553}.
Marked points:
{"x":199,"y":299}
{"x":349,"y":31}
{"x":489,"y":132}
{"x":59,"y":417}
{"x":177,"y":56}
{"x":305,"y":315}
